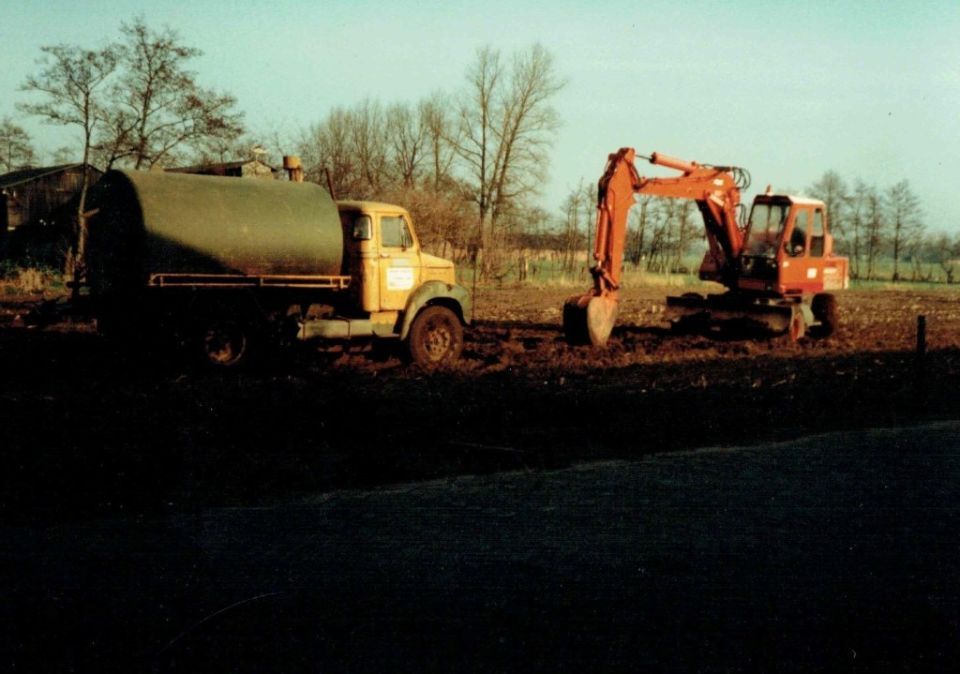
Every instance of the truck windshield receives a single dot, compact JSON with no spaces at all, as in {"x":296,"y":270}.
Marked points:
{"x":766,"y":226}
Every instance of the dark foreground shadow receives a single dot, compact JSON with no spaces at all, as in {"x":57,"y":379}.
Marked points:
{"x":88,"y":427}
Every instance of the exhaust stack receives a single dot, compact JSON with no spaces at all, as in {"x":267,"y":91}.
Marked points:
{"x":293,"y":167}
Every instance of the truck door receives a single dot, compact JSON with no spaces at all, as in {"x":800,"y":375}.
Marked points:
{"x":399,"y":262}
{"x":361,"y":259}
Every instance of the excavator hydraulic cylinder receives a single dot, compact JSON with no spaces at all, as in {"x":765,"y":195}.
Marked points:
{"x":672,"y":162}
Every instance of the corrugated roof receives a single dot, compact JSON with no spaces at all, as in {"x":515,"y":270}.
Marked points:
{"x":26,"y":175}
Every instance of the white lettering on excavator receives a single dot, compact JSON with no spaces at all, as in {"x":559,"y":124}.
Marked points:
{"x":812,"y":272}
{"x":399,"y":278}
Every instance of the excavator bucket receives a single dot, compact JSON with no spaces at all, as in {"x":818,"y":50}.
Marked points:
{"x":589,"y":319}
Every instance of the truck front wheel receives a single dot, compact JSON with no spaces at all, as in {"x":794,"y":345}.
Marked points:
{"x":436,"y":337}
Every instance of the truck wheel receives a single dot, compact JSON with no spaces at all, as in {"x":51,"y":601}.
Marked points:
{"x":436,"y":337}
{"x":226,"y":343}
{"x":824,"y":308}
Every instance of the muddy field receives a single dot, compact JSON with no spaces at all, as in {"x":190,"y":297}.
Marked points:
{"x":91,"y":424}
{"x":158,"y":513}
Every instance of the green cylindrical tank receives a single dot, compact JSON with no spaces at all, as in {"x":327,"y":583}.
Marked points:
{"x":150,"y":223}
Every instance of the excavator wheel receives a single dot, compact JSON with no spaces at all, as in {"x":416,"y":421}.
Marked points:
{"x":824,"y":308}
{"x":589,"y":319}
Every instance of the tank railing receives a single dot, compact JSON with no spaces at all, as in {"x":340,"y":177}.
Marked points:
{"x":248,"y":281}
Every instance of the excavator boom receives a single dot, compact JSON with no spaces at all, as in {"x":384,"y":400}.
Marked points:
{"x":589,"y":318}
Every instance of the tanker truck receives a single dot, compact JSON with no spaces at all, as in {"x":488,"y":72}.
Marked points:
{"x":226,"y":266}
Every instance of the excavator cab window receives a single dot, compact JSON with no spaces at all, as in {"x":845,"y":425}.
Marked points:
{"x":766,"y":227}
{"x":798,"y":237}
{"x":816,"y":234}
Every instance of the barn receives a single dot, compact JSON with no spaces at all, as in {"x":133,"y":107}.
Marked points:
{"x":37,"y":205}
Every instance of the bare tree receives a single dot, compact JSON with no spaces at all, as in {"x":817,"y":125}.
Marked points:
{"x":158,"y":105}
{"x":476,"y":132}
{"x":71,"y":82}
{"x":63,"y":155}
{"x":16,"y":151}
{"x":267,"y":146}
{"x":945,"y":252}
{"x":661,"y":218}
{"x":368,"y":144}
{"x":686,"y":230}
{"x":527,"y":124}
{"x":407,"y":138}
{"x":903,"y":212}
{"x":640,"y":215}
{"x":858,"y":209}
{"x":875,"y":228}
{"x":326,"y":151}
{"x":506,"y":125}
{"x":574,"y":215}
{"x":833,"y":192}
{"x":440,"y":138}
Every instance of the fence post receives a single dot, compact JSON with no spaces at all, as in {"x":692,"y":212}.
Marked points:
{"x":920,"y":358}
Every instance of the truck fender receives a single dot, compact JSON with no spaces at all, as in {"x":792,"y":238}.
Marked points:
{"x":451,"y":295}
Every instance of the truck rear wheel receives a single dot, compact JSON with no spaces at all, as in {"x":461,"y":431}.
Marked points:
{"x":436,"y":337}
{"x":226,"y":343}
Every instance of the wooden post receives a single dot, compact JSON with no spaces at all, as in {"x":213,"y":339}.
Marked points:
{"x":920,"y":359}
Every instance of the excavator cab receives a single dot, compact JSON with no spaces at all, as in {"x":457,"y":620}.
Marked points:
{"x":787,"y":249}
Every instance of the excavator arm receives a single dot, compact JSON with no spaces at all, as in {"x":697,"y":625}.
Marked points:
{"x":589,"y":318}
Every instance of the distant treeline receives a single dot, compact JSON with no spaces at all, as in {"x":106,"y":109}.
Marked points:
{"x":468,"y":162}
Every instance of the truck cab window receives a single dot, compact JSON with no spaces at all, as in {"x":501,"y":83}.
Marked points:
{"x":394,"y":232}
{"x":362,"y":228}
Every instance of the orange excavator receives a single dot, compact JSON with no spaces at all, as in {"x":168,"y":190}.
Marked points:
{"x":777,"y":266}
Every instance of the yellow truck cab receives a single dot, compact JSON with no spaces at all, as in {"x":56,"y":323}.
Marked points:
{"x":396,"y":290}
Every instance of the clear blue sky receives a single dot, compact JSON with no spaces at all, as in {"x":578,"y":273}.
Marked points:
{"x":785,"y":89}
